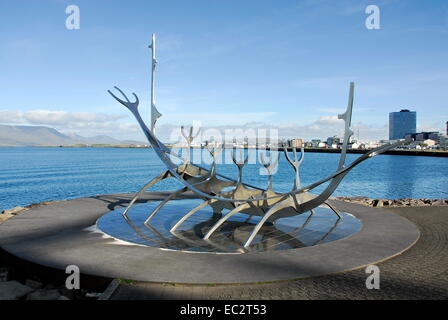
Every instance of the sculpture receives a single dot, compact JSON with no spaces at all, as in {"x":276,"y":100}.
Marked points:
{"x":212,"y":187}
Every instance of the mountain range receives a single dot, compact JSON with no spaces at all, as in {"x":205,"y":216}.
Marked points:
{"x":22,"y":136}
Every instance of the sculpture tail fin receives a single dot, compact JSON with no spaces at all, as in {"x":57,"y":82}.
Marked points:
{"x":155,"y":114}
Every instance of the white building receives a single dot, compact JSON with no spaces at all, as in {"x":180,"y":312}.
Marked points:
{"x":430,"y":142}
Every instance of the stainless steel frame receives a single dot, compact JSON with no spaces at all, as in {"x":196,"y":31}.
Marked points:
{"x":211,"y":186}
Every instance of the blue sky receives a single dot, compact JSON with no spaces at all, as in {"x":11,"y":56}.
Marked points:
{"x":284,"y":64}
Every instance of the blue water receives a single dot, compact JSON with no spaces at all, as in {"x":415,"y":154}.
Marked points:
{"x":30,"y":175}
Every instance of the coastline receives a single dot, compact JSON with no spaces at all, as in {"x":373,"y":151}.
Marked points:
{"x":404,"y":202}
{"x":424,"y":153}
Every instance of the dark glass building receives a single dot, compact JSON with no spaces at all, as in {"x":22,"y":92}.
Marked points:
{"x":402,"y":123}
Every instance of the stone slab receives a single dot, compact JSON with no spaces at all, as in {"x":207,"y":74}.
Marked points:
{"x":13,"y":290}
{"x":60,"y":234}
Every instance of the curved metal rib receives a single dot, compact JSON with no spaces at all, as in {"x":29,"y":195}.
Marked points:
{"x":296,"y":163}
{"x":277,"y":207}
{"x":270,"y":166}
{"x":189,"y":138}
{"x":190,"y":213}
{"x":333,"y":209}
{"x":225,"y":218}
{"x":165,"y":201}
{"x":205,"y":180}
{"x":240,"y":165}
{"x":142,"y":190}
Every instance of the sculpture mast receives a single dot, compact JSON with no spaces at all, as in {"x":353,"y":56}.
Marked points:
{"x":155,"y":114}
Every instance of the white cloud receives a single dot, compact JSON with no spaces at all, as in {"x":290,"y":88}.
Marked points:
{"x":322,"y":128}
{"x":83,"y":123}
{"x":123,"y":127}
{"x":329,"y":120}
{"x":217,"y":119}
{"x":437,"y":126}
{"x":54,"y":118}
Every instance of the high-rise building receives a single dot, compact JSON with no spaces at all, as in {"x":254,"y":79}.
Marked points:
{"x":402,"y":123}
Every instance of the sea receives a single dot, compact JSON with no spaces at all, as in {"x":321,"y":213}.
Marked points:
{"x":35,"y":174}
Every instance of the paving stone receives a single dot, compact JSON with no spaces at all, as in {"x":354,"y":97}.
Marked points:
{"x":33,"y":284}
{"x":13,"y":290}
{"x":43,"y":294}
{"x":419,"y":273}
{"x":4,"y":274}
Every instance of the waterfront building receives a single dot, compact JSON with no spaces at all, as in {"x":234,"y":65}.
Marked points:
{"x":430,"y":142}
{"x":333,"y":140}
{"x":421,"y":136}
{"x":296,"y":143}
{"x":402,"y":123}
{"x":322,"y":144}
{"x":315,"y":143}
{"x":443,"y":144}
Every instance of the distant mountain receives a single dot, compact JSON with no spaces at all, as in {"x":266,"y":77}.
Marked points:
{"x":100,"y":139}
{"x":40,"y":135}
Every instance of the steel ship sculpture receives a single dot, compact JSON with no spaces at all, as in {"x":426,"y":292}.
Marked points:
{"x":222,"y":192}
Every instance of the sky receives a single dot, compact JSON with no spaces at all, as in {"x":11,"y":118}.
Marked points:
{"x":226,"y":63}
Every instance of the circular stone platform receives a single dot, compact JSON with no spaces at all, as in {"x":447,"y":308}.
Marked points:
{"x":64,"y":233}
